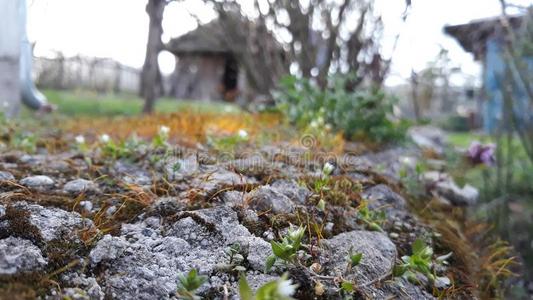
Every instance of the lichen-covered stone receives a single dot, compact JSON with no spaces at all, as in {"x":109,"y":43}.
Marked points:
{"x":292,"y":190}
{"x":19,"y":255}
{"x":4,"y":175}
{"x":382,"y":197}
{"x":79,"y":286}
{"x":144,"y":261}
{"x":44,"y":224}
{"x":266,"y":198}
{"x":444,"y":186}
{"x":379,"y":255}
{"x":38,"y":182}
{"x":213,"y":181}
{"x":78,"y":186}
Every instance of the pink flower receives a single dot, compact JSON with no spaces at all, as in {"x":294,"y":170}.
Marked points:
{"x":481,"y":154}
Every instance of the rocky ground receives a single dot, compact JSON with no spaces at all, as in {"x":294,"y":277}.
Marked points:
{"x":83,"y":225}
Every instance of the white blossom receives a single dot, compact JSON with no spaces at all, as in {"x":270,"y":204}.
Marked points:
{"x":164,"y":130}
{"x":105,"y":138}
{"x":286,"y":288}
{"x":243,"y":134}
{"x":79,"y":139}
{"x":328,"y":168}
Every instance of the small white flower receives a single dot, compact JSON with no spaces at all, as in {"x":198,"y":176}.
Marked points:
{"x":86,"y":205}
{"x":286,"y":288}
{"x":297,"y":234}
{"x":243,"y":134}
{"x":328,"y":168}
{"x":80,"y":139}
{"x":104,"y":138}
{"x":313,"y":124}
{"x":164,"y":130}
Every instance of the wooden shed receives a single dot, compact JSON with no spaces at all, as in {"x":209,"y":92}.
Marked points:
{"x":205,"y":68}
{"x":486,"y":39}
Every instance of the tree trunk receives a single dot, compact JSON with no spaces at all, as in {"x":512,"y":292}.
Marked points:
{"x":151,"y":76}
{"x":414,"y":95}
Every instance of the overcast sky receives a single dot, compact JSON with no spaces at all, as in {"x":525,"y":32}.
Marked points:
{"x":119,"y":28}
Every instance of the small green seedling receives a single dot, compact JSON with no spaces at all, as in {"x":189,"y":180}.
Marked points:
{"x":321,"y":206}
{"x":235,"y":259}
{"x":189,"y":284}
{"x":354,"y":258}
{"x":286,"y":249}
{"x":421,"y":262}
{"x":160,"y":140}
{"x":372,"y":219}
{"x":347,"y":287}
{"x":280,"y":289}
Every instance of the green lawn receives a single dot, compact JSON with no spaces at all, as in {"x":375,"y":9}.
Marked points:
{"x":464,"y":139}
{"x":91,"y":104}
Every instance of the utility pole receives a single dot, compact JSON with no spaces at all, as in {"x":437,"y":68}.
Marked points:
{"x":10,"y":31}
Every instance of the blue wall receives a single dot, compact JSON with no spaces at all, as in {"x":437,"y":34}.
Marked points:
{"x":495,"y":78}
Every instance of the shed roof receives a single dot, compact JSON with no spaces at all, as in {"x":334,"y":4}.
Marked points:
{"x":204,"y":39}
{"x":472,"y":36}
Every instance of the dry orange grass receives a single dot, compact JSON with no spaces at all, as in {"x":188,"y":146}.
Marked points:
{"x":189,"y":127}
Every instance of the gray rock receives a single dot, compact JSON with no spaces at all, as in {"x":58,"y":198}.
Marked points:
{"x":398,"y":288}
{"x":166,"y":206}
{"x":428,"y":137}
{"x":391,"y":161}
{"x":108,"y":248}
{"x":81,"y":287}
{"x":382,"y":197}
{"x":254,"y":165}
{"x":178,"y":169}
{"x":31,"y":159}
{"x":4,"y":175}
{"x":47,"y":223}
{"x":131,"y":173}
{"x":444,"y":186}
{"x":292,"y":190}
{"x":145,"y":260}
{"x":78,"y":186}
{"x":233,"y":198}
{"x":87,"y":206}
{"x":74,"y":294}
{"x":38,"y":182}
{"x":217,"y":179}
{"x":19,"y":255}
{"x":266,"y":198}
{"x":379,"y":255}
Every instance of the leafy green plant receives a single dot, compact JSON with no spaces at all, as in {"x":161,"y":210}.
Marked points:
{"x":26,"y":142}
{"x":324,"y":180}
{"x":357,"y":114}
{"x":347,"y":287}
{"x":81,"y":144}
{"x":189,"y":284}
{"x":235,"y":259}
{"x":372,"y":219}
{"x":227,"y":143}
{"x":120,"y":149}
{"x":287,"y":249}
{"x":421,"y":261}
{"x":160,"y":140}
{"x":354,"y":258}
{"x":280,"y":289}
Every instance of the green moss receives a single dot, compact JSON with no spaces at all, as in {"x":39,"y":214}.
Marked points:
{"x":20,"y":225}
